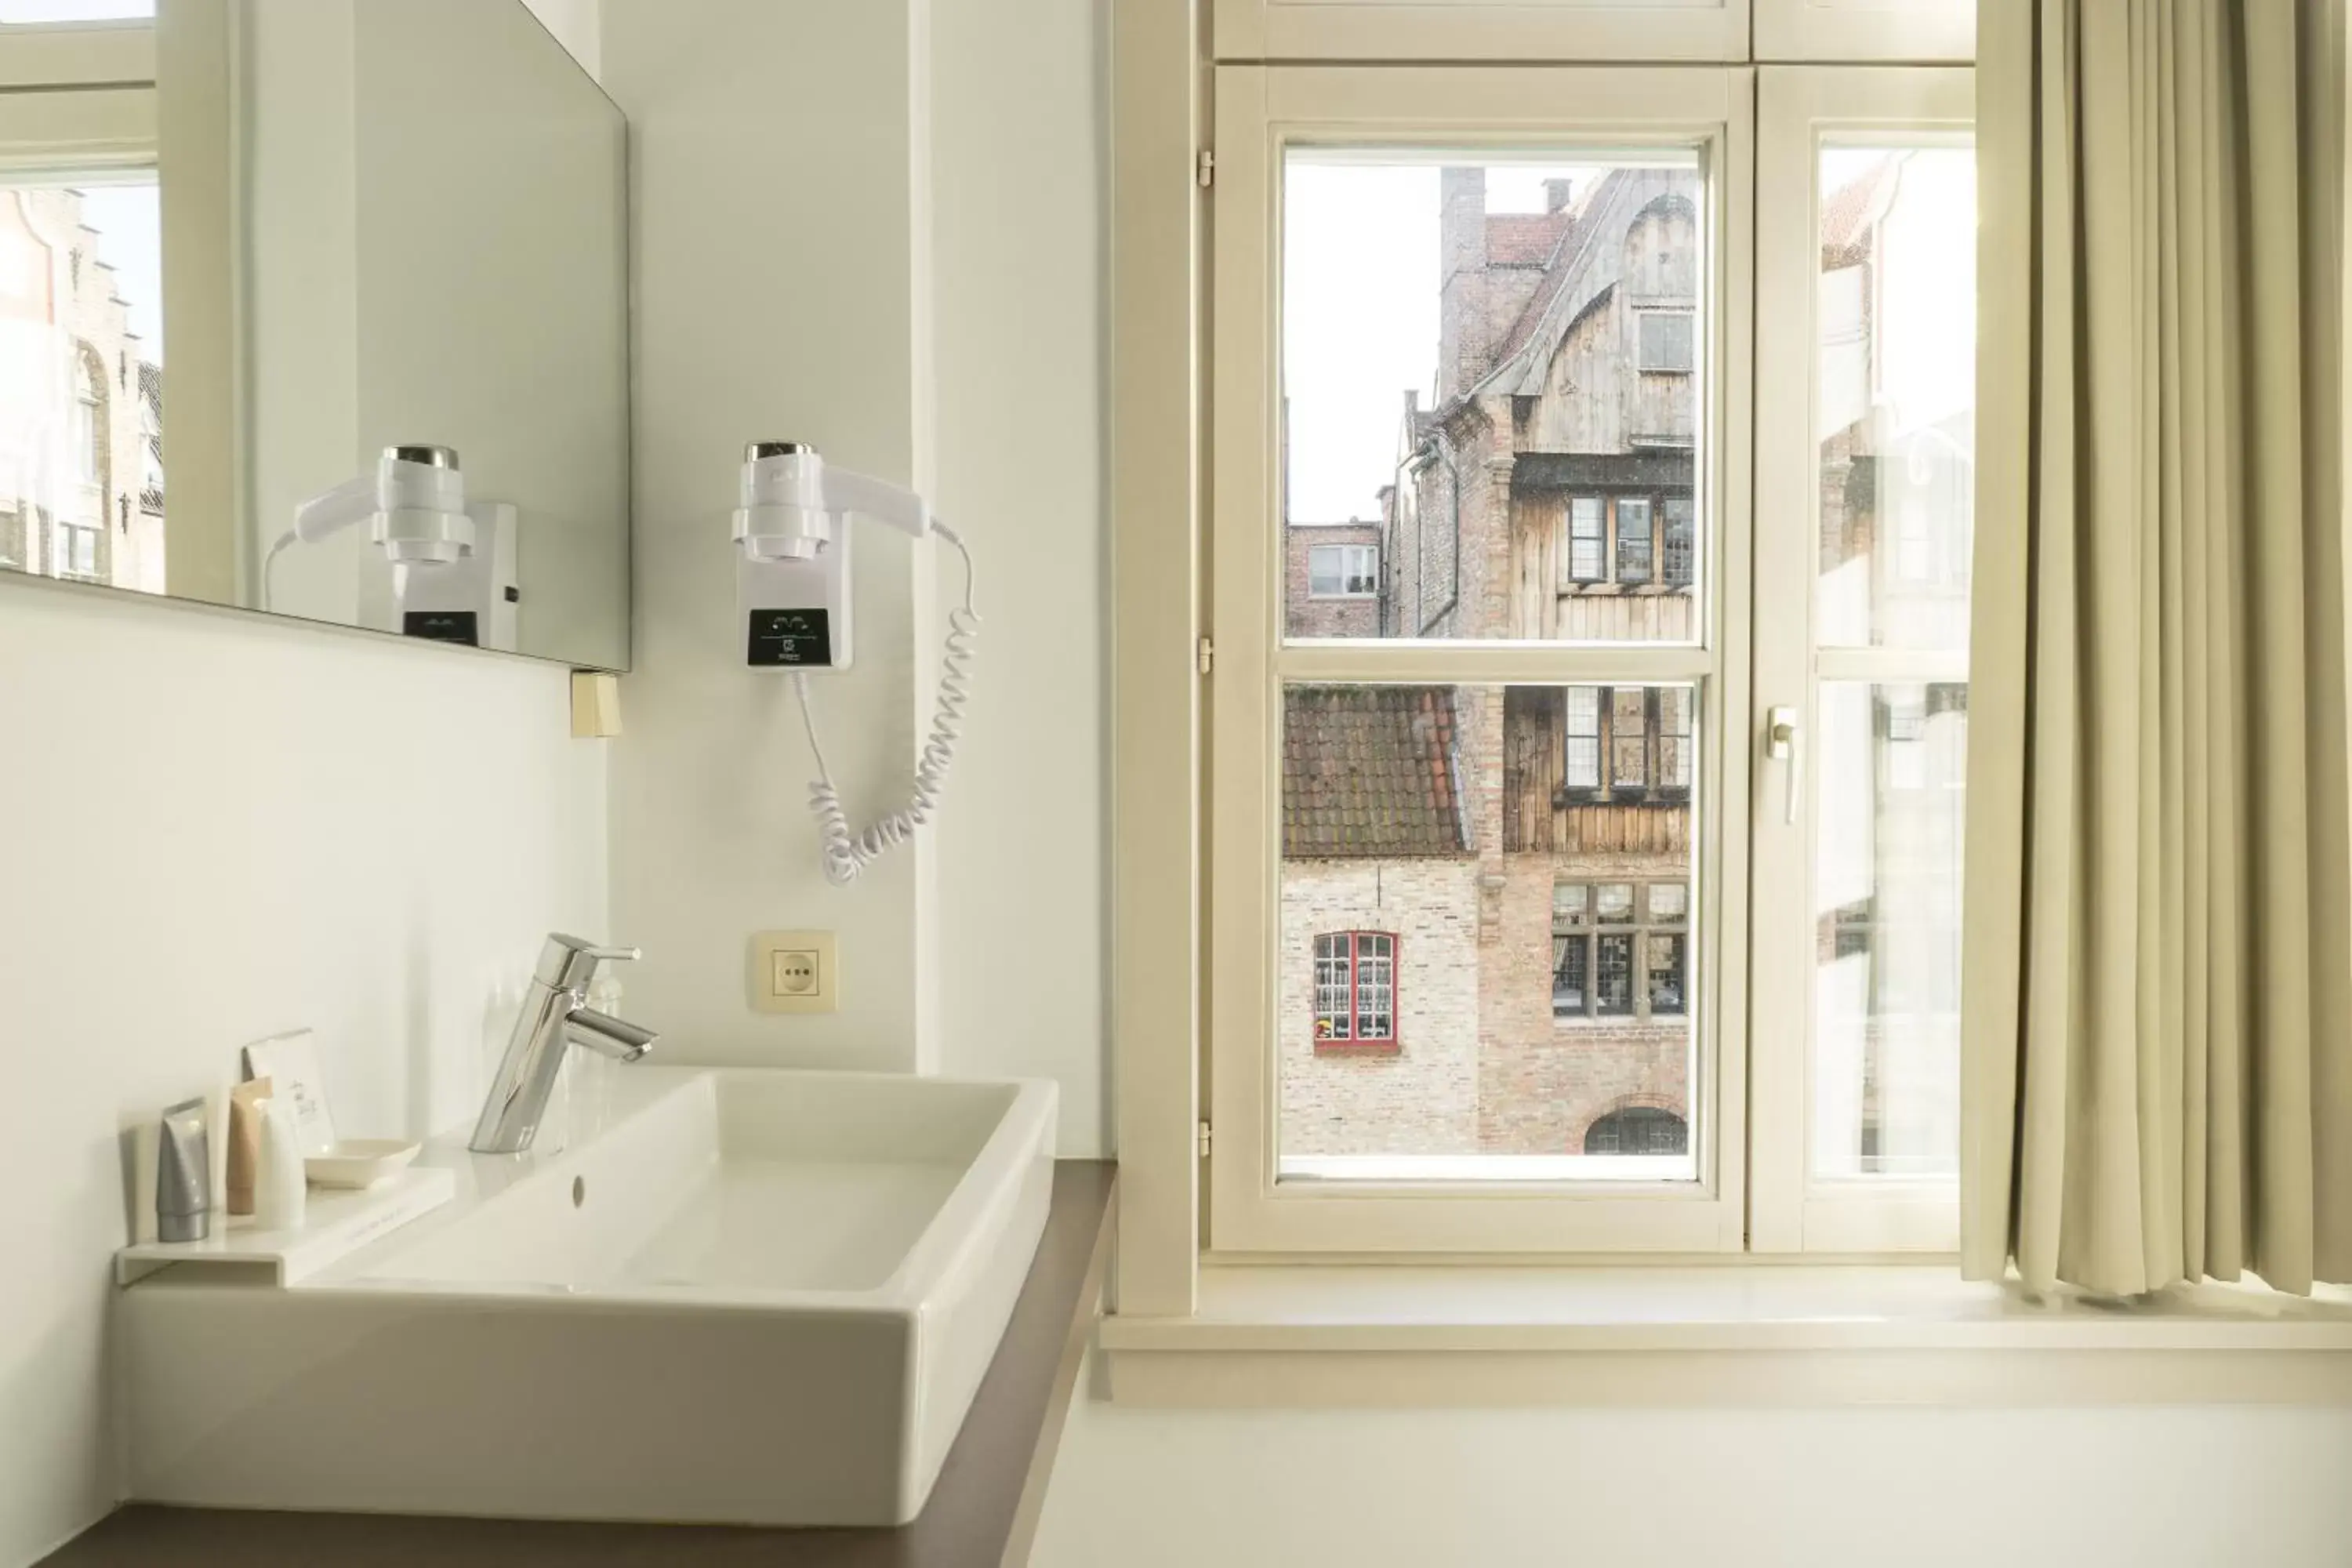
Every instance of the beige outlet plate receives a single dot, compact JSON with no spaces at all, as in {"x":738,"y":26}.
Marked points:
{"x":794,"y":972}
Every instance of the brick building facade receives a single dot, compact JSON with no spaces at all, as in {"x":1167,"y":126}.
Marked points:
{"x":1331,"y":575}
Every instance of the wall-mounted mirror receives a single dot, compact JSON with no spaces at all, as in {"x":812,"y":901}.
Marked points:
{"x":330,"y":322}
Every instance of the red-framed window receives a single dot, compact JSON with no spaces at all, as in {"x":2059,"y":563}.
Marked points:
{"x":1356,"y":988}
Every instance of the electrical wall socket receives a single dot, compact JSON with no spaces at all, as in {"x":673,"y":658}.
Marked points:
{"x":794,"y":972}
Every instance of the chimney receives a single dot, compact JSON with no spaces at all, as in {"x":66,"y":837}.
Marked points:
{"x":1464,"y":344}
{"x":1557,"y":194}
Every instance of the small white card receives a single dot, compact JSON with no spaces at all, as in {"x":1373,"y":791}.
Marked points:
{"x":291,"y":1062}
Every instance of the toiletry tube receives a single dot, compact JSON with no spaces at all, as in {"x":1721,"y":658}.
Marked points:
{"x":245,"y":1104}
{"x":282,"y":1192}
{"x":183,"y":1170}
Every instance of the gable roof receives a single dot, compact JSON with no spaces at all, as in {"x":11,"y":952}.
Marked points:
{"x":1525,"y":239}
{"x":1583,"y":272}
{"x":1369,"y":771}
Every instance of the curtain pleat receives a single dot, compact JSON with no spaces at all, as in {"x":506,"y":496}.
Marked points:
{"x":2158,"y":1039}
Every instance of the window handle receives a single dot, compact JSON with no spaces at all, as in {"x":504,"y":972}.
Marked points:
{"x":1781,"y":746}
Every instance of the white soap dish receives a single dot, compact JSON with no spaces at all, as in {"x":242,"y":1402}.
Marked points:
{"x":359,"y":1162}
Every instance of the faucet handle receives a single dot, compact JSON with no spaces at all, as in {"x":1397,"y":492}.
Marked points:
{"x":568,"y":962}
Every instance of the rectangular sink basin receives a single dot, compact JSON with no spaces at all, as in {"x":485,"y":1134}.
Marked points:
{"x":756,"y":1297}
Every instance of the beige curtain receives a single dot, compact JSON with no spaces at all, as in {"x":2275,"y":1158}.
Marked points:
{"x":2157,"y":1022}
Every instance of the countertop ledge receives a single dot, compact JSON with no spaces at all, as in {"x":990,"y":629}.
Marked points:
{"x":983,"y":1510}
{"x":1730,"y":1334}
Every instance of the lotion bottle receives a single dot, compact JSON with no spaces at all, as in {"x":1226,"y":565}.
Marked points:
{"x":281,"y":1190}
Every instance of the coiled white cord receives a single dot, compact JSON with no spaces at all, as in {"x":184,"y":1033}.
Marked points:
{"x":847,"y":854}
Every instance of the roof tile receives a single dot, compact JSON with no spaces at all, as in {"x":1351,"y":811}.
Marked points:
{"x":1370,"y":771}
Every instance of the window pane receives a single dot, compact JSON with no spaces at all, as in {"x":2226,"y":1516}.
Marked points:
{"x":1897,"y":373}
{"x":1582,"y":770}
{"x":1666,"y":340}
{"x":1633,"y":540}
{"x":1674,"y":752}
{"x":1322,"y":571}
{"x":1498,"y":1001}
{"x":1587,"y":541}
{"x":1887,"y":895}
{"x":1629,"y":738}
{"x":1334,"y":988}
{"x":1571,"y":956}
{"x":1613,"y":993}
{"x":1375,"y":994}
{"x":1682,"y":541}
{"x":1664,"y":952}
{"x":81,"y":377}
{"x":1476,"y":357}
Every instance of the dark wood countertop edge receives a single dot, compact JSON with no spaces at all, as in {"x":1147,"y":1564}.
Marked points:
{"x":984,"y":1510}
{"x":1086,"y":1313}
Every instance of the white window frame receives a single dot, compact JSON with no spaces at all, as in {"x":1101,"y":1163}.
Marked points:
{"x":1346,"y":552}
{"x":1260,"y":111}
{"x":1792,"y":1212}
{"x":1162,"y":428}
{"x":78,"y":98}
{"x":120,"y":53}
{"x":1913,"y":31}
{"x":1509,"y":30}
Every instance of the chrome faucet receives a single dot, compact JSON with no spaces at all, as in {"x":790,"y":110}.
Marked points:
{"x":555,"y":1016}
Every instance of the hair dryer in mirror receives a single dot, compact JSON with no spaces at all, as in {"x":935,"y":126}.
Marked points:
{"x":793,"y":587}
{"x":442,"y":569}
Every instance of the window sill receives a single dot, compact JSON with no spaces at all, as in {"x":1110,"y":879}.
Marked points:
{"x":1727,"y":1334}
{"x":1358,"y":1047}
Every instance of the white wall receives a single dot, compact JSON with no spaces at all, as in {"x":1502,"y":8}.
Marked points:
{"x":1020,"y":199}
{"x":1018,"y":298}
{"x":213,"y":828}
{"x":1826,"y":1488}
{"x":848,"y":232}
{"x":775,"y":210}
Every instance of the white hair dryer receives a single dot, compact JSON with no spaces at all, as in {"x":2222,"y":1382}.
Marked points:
{"x":445,"y":569}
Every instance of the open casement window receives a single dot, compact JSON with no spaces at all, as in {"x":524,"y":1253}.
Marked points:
{"x":1533,"y":782}
{"x":1866,"y":252}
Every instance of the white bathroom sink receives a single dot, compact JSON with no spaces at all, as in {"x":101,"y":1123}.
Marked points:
{"x":761,"y":1298}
